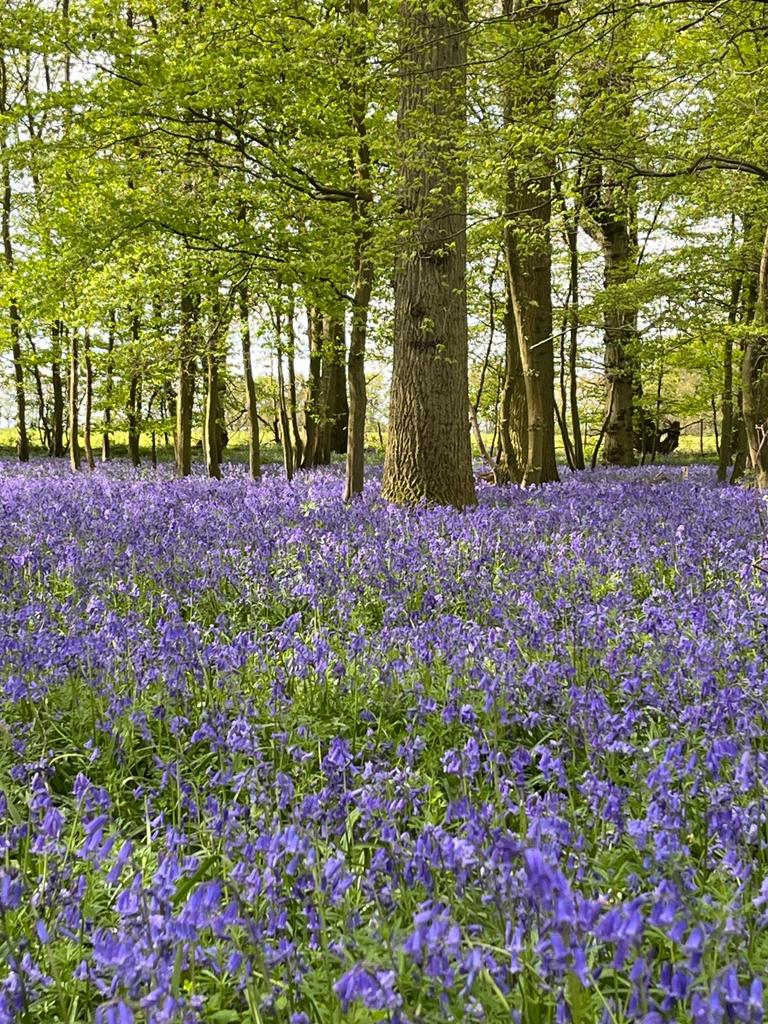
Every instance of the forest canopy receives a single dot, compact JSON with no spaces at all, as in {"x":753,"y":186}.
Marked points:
{"x":545,"y":221}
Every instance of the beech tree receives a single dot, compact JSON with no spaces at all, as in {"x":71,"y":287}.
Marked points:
{"x":428,"y":451}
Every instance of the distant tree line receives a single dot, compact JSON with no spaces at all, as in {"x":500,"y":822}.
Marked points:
{"x":518,"y":203}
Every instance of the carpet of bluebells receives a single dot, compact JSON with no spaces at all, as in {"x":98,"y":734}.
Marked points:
{"x":267,"y":758}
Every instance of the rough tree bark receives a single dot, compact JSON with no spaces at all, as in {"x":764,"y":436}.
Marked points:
{"x":527,"y":248}
{"x":428,"y":454}
{"x":608,"y":205}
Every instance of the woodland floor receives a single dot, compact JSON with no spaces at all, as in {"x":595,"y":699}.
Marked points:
{"x":265,"y":757}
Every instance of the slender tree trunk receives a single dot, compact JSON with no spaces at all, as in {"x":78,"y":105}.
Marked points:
{"x":106,"y":441}
{"x":14,"y":317}
{"x":134,"y":416}
{"x":754,"y":379}
{"x":620,"y":333}
{"x":740,"y":455}
{"x":74,"y":426}
{"x":715,"y":426}
{"x":214,"y":433}
{"x":325,"y":393}
{"x":496,"y":453}
{"x":185,"y":394}
{"x":312,"y":403}
{"x":251,"y":405}
{"x":726,"y":431}
{"x":22,"y":447}
{"x":491,"y":337}
{"x":355,"y":479}
{"x":338,"y":404}
{"x":169,"y":402}
{"x":88,"y":401}
{"x":282,"y":407}
{"x":46,"y":437}
{"x":57,"y":386}
{"x":363,"y":287}
{"x":211,"y":423}
{"x":134,"y":399}
{"x":572,"y":236}
{"x":429,"y":456}
{"x":298,"y":444}
{"x":513,"y":413}
{"x":568,"y":447}
{"x":657,"y":413}
{"x":561,"y":412}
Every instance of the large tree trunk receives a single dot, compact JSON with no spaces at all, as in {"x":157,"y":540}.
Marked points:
{"x":74,"y":425}
{"x":754,"y":379}
{"x":609,"y":204}
{"x":429,"y":457}
{"x":251,"y":405}
{"x":527,"y":216}
{"x":186,"y":391}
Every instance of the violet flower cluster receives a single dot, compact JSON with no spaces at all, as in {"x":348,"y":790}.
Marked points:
{"x":267,"y":757}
